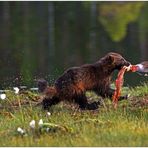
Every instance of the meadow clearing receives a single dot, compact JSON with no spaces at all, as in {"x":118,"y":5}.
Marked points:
{"x":66,"y":125}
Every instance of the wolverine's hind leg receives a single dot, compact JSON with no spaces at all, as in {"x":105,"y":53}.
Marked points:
{"x":81,"y":100}
{"x":48,"y":102}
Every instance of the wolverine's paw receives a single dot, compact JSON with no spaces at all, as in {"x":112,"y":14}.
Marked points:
{"x":126,"y":96}
{"x":93,"y":106}
{"x":45,"y":104}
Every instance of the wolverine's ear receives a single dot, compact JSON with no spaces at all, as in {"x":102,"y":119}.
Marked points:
{"x":111,"y":58}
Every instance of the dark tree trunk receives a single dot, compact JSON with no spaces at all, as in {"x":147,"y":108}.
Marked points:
{"x":27,"y":59}
{"x":51,"y":36}
{"x":93,"y":20}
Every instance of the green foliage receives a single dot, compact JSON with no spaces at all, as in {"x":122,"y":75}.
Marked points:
{"x":27,"y":69}
{"x":77,"y":36}
{"x":115,"y":17}
{"x":126,"y":126}
{"x":142,"y":21}
{"x":140,"y":90}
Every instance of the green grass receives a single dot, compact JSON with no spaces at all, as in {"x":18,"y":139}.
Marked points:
{"x":126,"y":126}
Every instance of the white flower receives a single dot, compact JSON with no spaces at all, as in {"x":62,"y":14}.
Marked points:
{"x":32,"y":124}
{"x":16,"y":89}
{"x":48,"y":113}
{"x":20,"y":130}
{"x":3,"y":96}
{"x":47,"y":129}
{"x":40,"y":122}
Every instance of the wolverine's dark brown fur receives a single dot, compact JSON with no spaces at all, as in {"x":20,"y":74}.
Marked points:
{"x":73,"y":84}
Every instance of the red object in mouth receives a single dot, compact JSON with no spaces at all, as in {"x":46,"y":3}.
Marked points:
{"x":134,"y":68}
{"x":118,"y":85}
{"x":119,"y":82}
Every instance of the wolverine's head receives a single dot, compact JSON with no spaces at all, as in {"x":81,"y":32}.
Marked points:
{"x":116,"y":60}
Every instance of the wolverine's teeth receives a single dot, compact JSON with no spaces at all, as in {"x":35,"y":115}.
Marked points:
{"x":128,"y":68}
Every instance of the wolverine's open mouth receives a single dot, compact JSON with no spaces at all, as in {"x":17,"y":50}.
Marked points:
{"x":119,"y":67}
{"x":127,"y":64}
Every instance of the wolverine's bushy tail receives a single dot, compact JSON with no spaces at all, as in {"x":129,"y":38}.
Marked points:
{"x":44,"y":88}
{"x":42,"y":85}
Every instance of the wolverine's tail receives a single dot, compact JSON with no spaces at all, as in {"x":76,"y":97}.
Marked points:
{"x":44,"y":88}
{"x":42,"y":85}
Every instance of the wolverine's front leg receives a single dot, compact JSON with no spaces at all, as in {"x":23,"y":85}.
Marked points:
{"x":108,"y":93}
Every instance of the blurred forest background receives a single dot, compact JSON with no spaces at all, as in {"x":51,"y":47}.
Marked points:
{"x":43,"y":38}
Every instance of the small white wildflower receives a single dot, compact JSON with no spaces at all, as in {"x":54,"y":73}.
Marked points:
{"x":40,"y":122}
{"x":20,"y":130}
{"x":47,"y":129}
{"x":48,"y":113}
{"x":32,"y":124}
{"x":3,"y":96}
{"x":16,"y":89}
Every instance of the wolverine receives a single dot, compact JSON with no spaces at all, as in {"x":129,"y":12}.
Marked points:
{"x":74,"y":82}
